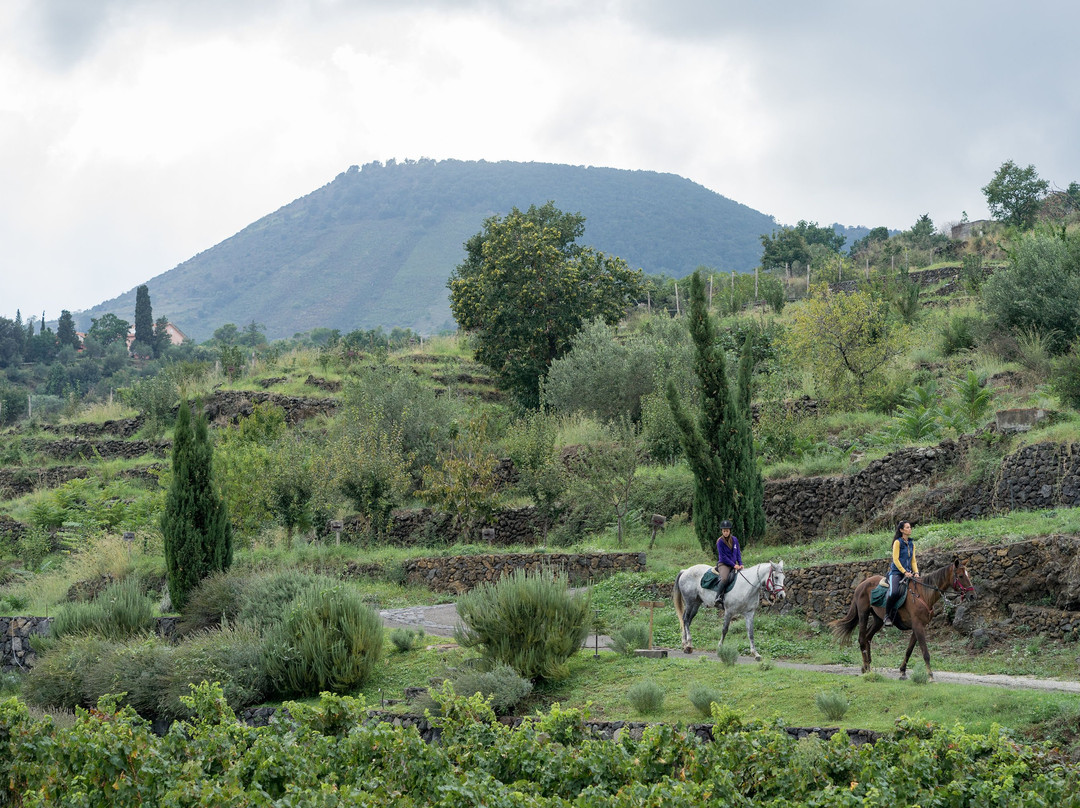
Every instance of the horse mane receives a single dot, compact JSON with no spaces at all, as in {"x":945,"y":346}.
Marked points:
{"x":936,"y":579}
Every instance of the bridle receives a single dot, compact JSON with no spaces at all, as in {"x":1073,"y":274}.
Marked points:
{"x":959,"y":587}
{"x":771,"y":587}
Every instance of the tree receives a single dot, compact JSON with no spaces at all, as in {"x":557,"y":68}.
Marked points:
{"x":65,"y":330}
{"x":195,"y":524}
{"x":752,"y":515}
{"x":714,"y":445}
{"x":144,"y":317}
{"x":606,"y":470}
{"x":1015,"y":194}
{"x":227,"y":334}
{"x":107,"y":329}
{"x":1039,"y":291}
{"x":784,"y":249}
{"x":464,"y":481}
{"x":526,"y":287}
{"x":252,"y":335}
{"x":162,"y":339}
{"x":846,"y":338}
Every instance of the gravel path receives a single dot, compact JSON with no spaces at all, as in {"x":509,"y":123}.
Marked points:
{"x":441,"y":620}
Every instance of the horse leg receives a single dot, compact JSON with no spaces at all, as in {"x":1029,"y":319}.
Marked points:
{"x":864,"y":640}
{"x":687,"y":616}
{"x":723,"y":633}
{"x":907,"y":654}
{"x":750,"y":634}
{"x":918,"y":634}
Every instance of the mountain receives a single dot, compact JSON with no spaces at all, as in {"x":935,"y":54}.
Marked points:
{"x":376,"y":246}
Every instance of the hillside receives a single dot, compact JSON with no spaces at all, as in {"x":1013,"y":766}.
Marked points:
{"x":376,"y":245}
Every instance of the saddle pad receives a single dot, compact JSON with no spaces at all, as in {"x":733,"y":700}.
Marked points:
{"x":880,"y":592}
{"x":710,"y":580}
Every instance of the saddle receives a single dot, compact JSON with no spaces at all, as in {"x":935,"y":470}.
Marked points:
{"x":879,"y":594}
{"x":710,"y":580}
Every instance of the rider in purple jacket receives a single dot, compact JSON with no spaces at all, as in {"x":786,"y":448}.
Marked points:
{"x":729,"y":555}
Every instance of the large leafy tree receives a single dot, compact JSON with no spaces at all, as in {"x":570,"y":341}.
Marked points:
{"x":107,"y":329}
{"x":526,"y":287}
{"x":195,"y":523}
{"x":1015,"y":194}
{"x":716,"y":444}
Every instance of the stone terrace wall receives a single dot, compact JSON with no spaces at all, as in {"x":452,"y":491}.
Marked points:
{"x":1035,"y":570}
{"x":84,"y":449}
{"x":805,"y":506}
{"x":15,"y":633}
{"x":228,"y":406}
{"x":462,"y":573}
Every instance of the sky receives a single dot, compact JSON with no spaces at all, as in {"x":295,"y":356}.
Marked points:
{"x":135,"y":134}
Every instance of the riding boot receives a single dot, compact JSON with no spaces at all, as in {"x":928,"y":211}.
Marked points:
{"x":889,"y":618}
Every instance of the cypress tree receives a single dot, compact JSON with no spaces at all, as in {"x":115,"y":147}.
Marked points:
{"x":752,"y":513}
{"x":715,"y":446}
{"x":144,"y":317}
{"x":195,"y":524}
{"x":65,"y":330}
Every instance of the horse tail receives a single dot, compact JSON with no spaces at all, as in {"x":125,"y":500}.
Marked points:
{"x":679,"y":604}
{"x":843,"y":627}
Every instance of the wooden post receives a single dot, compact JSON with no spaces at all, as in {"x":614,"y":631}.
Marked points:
{"x":652,"y":604}
{"x":677,"y":311}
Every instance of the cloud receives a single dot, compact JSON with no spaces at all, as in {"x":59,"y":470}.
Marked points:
{"x":135,"y":133}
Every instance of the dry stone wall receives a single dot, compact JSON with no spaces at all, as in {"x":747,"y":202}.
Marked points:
{"x":228,"y":406}
{"x":1044,"y":570}
{"x":15,"y":650}
{"x":462,"y":573}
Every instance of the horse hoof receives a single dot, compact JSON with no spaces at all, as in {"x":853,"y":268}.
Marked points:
{"x":688,"y":649}
{"x":757,"y":657}
{"x":903,"y":675}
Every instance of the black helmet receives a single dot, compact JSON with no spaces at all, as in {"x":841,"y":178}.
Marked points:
{"x":725,"y":525}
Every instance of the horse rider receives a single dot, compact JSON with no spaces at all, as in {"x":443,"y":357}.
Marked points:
{"x":904,"y":567}
{"x":729,"y":556}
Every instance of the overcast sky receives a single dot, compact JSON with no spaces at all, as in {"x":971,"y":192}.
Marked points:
{"x":137,"y":133}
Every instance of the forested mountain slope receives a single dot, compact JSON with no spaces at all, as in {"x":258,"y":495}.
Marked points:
{"x":376,"y":245}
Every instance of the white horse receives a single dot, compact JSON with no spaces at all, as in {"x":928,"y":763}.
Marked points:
{"x":743,"y":598}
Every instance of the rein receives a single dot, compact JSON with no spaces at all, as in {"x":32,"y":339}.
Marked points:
{"x":769,"y":586}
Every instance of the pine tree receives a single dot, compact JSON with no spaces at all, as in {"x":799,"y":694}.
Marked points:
{"x":715,"y":446}
{"x":144,"y":317}
{"x":195,"y":524}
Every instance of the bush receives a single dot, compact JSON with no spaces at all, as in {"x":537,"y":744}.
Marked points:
{"x":139,"y":669}
{"x":233,"y":656}
{"x":119,"y":612}
{"x":501,"y":685}
{"x":215,"y":600}
{"x":265,"y":598}
{"x":59,"y":677}
{"x":668,"y":491}
{"x":1065,"y":377}
{"x":646,"y":697}
{"x":330,"y":640}
{"x":704,"y":697}
{"x":960,"y":333}
{"x":833,"y":704}
{"x":728,"y":654}
{"x":530,"y":622}
{"x":405,"y":639}
{"x":629,"y":638}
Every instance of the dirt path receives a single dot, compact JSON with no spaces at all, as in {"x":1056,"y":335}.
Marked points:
{"x":441,"y":620}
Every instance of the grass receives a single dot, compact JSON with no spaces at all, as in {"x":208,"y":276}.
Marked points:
{"x":757,"y":692}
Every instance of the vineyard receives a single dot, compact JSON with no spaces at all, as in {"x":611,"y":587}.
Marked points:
{"x":327,"y":754}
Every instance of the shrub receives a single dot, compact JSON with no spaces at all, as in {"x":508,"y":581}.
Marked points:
{"x":329,"y":640}
{"x":728,"y":654}
{"x":265,"y":598}
{"x":139,"y":669}
{"x":629,"y":638}
{"x":920,"y":676}
{"x":215,"y":600}
{"x":119,"y":612}
{"x":405,"y":639}
{"x":959,"y":333}
{"x":646,"y":697}
{"x":833,"y":704}
{"x":233,"y":656}
{"x":1065,"y":377}
{"x":530,"y":622}
{"x":704,"y":697}
{"x":59,"y":677}
{"x":668,"y":491}
{"x":502,"y":685}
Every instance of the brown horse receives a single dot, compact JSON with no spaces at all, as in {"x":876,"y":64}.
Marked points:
{"x":913,"y":616}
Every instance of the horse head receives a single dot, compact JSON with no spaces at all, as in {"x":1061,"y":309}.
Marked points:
{"x":774,"y":583}
{"x":962,"y":581}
